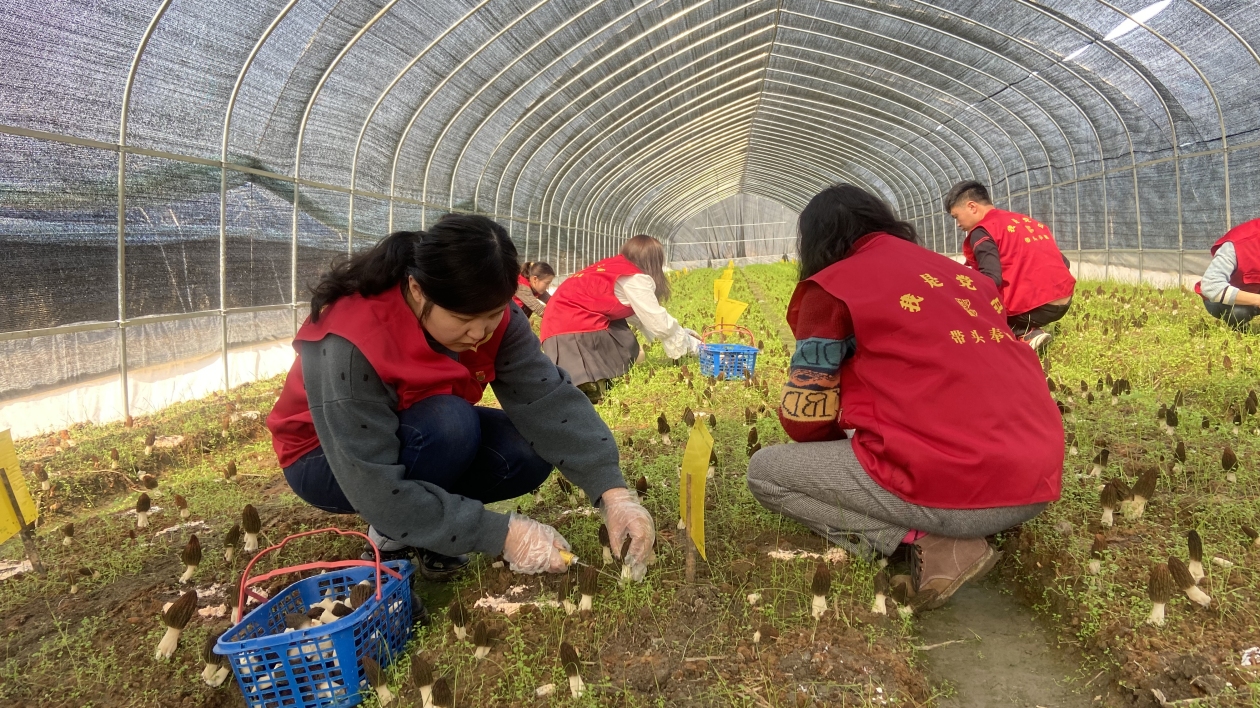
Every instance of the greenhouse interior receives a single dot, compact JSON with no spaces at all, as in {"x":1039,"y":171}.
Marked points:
{"x":176,"y":175}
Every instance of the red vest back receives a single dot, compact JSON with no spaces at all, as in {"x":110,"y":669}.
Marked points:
{"x":1246,"y":240}
{"x":585,"y":301}
{"x":1033,"y":272}
{"x":522,"y":280}
{"x":385,"y":329}
{"x":950,"y":409}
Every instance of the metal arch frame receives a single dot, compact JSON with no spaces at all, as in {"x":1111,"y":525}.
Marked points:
{"x":402,"y":140}
{"x":670,"y":41}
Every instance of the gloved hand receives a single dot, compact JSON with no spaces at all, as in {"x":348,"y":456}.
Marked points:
{"x":693,"y":342}
{"x":532,"y":547}
{"x":625,"y":516}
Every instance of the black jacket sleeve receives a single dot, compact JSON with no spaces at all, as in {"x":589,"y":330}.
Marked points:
{"x":986,"y":253}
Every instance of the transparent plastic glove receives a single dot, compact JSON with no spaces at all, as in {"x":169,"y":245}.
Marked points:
{"x":625,"y":516}
{"x":532,"y":547}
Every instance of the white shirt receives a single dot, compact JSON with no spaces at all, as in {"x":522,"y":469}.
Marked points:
{"x":639,"y":293}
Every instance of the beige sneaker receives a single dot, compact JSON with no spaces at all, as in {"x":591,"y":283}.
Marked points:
{"x":940,"y":565}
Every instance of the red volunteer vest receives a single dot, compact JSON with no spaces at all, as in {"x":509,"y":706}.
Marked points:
{"x":1246,"y":240}
{"x":385,"y":329}
{"x":585,"y":301}
{"x":522,"y":280}
{"x":951,"y":410}
{"x":1033,"y":273}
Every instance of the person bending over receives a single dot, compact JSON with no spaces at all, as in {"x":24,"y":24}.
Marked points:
{"x":531,"y":287}
{"x":1230,"y":287}
{"x":955,"y":436}
{"x":378,"y":415}
{"x":586,"y":326}
{"x":1020,"y":255}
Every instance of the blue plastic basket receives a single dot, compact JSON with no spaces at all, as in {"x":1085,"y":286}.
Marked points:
{"x":319,"y":667}
{"x":737,"y":361}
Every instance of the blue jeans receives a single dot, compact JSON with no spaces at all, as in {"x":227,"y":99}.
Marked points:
{"x":1236,"y":316}
{"x":465,"y":449}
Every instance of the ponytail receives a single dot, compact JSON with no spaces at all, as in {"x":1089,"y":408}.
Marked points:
{"x":537,"y":269}
{"x":464,"y":263}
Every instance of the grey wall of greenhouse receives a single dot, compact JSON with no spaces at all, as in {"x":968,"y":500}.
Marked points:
{"x":174,"y":173}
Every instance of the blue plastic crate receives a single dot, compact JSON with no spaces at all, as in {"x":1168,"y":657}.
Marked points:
{"x":319,"y":667}
{"x":737,"y":361}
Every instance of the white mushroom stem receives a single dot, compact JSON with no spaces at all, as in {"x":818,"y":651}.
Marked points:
{"x":214,"y":675}
{"x":710,"y":472}
{"x":167,"y":646}
{"x":1196,"y":570}
{"x":236,"y":615}
{"x":608,"y":559}
{"x":1107,"y":516}
{"x":880,"y":605}
{"x":67,"y":541}
{"x":184,"y":513}
{"x":569,"y":607}
{"x":188,"y":573}
{"x":1222,"y":562}
{"x":45,"y":485}
{"x":1197,"y":595}
{"x":818,"y":607}
{"x":74,"y":588}
{"x":142,"y":519}
{"x":1073,"y":451}
{"x":627,"y":574}
{"x":584,"y":605}
{"x":228,"y":553}
{"x":481,"y":652}
{"x":1157,"y":615}
{"x":148,"y":450}
{"x":461,"y":633}
{"x":1095,"y":566}
{"x":426,"y":696}
{"x":905,"y":611}
{"x":383,"y":694}
{"x":757,"y":637}
{"x":576,"y":687}
{"x":1135,"y":508}
{"x":251,"y":542}
{"x":1095,"y":471}
{"x":664,"y":439}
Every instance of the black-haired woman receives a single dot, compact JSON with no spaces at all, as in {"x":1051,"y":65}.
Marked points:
{"x":531,"y":288}
{"x":955,"y":435}
{"x":377,"y":416}
{"x":586,"y":327}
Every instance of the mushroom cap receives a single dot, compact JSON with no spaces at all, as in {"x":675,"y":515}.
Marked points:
{"x":360,"y":594}
{"x":457,"y":613}
{"x":481,"y":634}
{"x":1102,"y":456}
{"x":588,"y":581}
{"x":565,"y":485}
{"x":1250,"y":532}
{"x":1180,"y":453}
{"x":421,"y":671}
{"x":40,"y":474}
{"x":1180,"y":573}
{"x":68,"y":530}
{"x":149,"y":481}
{"x":566,"y":586}
{"x":1228,"y":459}
{"x":821,"y":583}
{"x":752,"y":435}
{"x":1171,"y":418}
{"x":768,"y":632}
{"x":192,"y":551}
{"x":1195,"y":543}
{"x":180,"y":502}
{"x":442,"y":695}
{"x":713,"y":460}
{"x":1159,"y":588}
{"x":662,"y":425}
{"x":569,"y":659}
{"x":1099,"y":547}
{"x":231,"y":469}
{"x":143,"y":503}
{"x":233,"y":537}
{"x":294,"y":620}
{"x":375,"y":676}
{"x":625,"y":549}
{"x":641,"y":486}
{"x":1122,"y":489}
{"x":249,"y":519}
{"x":340,"y":609}
{"x":1145,"y":486}
{"x":881,"y":582}
{"x":689,"y":417}
{"x":1109,"y":497}
{"x":603,"y":536}
{"x":150,"y":438}
{"x":178,"y":614}
{"x":207,"y":650}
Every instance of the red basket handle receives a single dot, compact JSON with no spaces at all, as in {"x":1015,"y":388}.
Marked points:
{"x":725,"y":329}
{"x":246,"y":581}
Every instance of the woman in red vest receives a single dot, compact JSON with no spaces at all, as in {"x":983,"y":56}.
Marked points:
{"x":531,"y":287}
{"x":921,"y":419}
{"x":377,"y":416}
{"x":586,"y":327}
{"x":1020,"y":255}
{"x":1230,"y":287}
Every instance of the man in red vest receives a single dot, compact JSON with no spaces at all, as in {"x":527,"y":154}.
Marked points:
{"x":1230,"y":287}
{"x":1020,"y":254}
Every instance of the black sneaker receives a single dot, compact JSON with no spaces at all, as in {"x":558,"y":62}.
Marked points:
{"x":406,"y":553}
{"x":439,"y":568}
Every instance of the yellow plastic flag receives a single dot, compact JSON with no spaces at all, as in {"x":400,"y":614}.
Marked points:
{"x":13,"y":473}
{"x":695,"y":468}
{"x":729,"y":311}
{"x":728,"y":274}
{"x":721,"y":289}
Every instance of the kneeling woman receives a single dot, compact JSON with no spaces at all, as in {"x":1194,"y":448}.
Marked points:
{"x":377,"y":417}
{"x":585,"y":328}
{"x":531,"y":288}
{"x":955,"y":435}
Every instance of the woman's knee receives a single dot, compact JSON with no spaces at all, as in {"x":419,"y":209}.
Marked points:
{"x":763,"y":480}
{"x":446,"y":422}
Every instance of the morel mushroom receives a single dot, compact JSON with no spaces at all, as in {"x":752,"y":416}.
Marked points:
{"x":1109,"y":499}
{"x":565,"y":591}
{"x":662,"y":427}
{"x":443,"y":696}
{"x":1142,"y":492}
{"x":229,"y":472}
{"x":149,"y":481}
{"x":191,"y":558}
{"x":588,"y":585}
{"x":1195,"y":566}
{"x":148,"y":443}
{"x":143,"y":504}
{"x":605,"y":544}
{"x":880,"y":605}
{"x":459,"y":619}
{"x":1100,"y":462}
{"x":820,"y":586}
{"x":376,"y":679}
{"x":113,"y":458}
{"x":481,"y":641}
{"x":182,"y":504}
{"x":361,"y":593}
{"x":42,"y":476}
{"x":641,"y":487}
{"x":572,"y":669}
{"x":252,"y":525}
{"x":67,"y":534}
{"x":1185,"y":582}
{"x":1096,"y":552}
{"x":422,"y":677}
{"x":217,"y":669}
{"x":175,"y":618}
{"x":1159,"y":588}
{"x":231,"y":541}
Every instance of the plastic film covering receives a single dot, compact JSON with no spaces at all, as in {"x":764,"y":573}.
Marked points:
{"x":180,"y":171}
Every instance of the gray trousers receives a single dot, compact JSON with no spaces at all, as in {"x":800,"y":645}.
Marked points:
{"x":822,"y":485}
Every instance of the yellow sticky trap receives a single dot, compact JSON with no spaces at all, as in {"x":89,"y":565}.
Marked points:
{"x":729,"y":311}
{"x":722,"y":289}
{"x":12,"y":470}
{"x":695,"y":468}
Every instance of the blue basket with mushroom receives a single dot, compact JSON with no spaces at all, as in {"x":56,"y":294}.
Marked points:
{"x":320,"y":666}
{"x":735,"y":360}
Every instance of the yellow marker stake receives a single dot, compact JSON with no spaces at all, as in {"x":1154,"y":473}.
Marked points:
{"x":722,"y":289}
{"x":729,"y":311}
{"x":695,"y":467}
{"x":17,"y":510}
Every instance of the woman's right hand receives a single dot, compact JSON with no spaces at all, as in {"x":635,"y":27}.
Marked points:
{"x":532,"y":547}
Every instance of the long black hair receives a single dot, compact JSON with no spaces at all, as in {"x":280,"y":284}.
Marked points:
{"x":648,"y":255}
{"x":836,"y":218}
{"x":463,"y":263}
